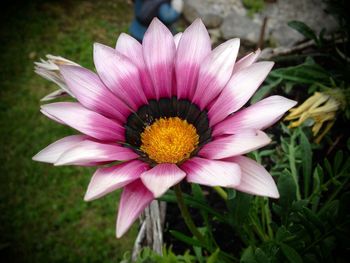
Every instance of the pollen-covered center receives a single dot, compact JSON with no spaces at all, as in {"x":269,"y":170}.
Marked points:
{"x":169,"y":140}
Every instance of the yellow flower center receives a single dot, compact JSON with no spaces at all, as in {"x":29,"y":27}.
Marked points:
{"x":169,"y":140}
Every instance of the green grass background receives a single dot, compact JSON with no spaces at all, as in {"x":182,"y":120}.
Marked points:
{"x":43,"y":215}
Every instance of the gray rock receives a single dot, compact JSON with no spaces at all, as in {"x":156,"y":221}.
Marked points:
{"x":231,"y":17}
{"x":311,"y":12}
{"x":241,"y":26}
{"x":212,"y":12}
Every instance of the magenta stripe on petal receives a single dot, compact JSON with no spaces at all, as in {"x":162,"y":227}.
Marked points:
{"x":51,"y":153}
{"x":238,"y":91}
{"x":133,"y":201}
{"x":255,"y":179}
{"x":215,"y":72}
{"x":232,"y":145}
{"x":85,"y":121}
{"x":131,"y":48}
{"x":120,"y":75}
{"x":258,"y":116}
{"x":246,"y":61}
{"x":212,"y":172}
{"x":90,"y":151}
{"x":161,"y":177}
{"x":193,"y":47}
{"x":159,"y":53}
{"x":93,"y":94}
{"x":106,"y":180}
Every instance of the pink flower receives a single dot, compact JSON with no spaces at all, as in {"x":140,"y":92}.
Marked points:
{"x":167,"y":110}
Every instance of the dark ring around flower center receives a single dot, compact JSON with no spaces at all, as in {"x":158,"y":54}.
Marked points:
{"x":166,"y":108}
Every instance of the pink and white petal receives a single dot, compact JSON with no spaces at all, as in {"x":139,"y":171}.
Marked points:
{"x":159,"y":53}
{"x":51,"y":153}
{"x":90,"y":151}
{"x":133,"y":201}
{"x":193,"y":48}
{"x":177,"y":38}
{"x":258,"y":116}
{"x":85,"y":121}
{"x":161,"y":177}
{"x":51,"y":117}
{"x":215,"y":72}
{"x":237,"y":144}
{"x":93,"y":94}
{"x":255,"y":179}
{"x":212,"y":172}
{"x":131,"y":48}
{"x":238,"y":91}
{"x":120,"y":75}
{"x":106,"y":180}
{"x":246,"y":61}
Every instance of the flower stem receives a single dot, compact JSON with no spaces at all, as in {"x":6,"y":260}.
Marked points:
{"x":186,"y":215}
{"x":221,"y":192}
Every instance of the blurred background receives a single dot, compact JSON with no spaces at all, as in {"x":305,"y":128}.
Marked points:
{"x":42,"y":212}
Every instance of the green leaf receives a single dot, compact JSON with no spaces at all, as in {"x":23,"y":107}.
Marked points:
{"x":248,"y":256}
{"x":213,"y":258}
{"x":306,"y":161}
{"x":261,"y":256}
{"x":304,"y":29}
{"x":338,"y":160}
{"x":306,"y":73}
{"x":239,"y":208}
{"x":186,"y":239}
{"x":287,"y":190}
{"x":189,"y":200}
{"x":264,"y":90}
{"x":291,"y":254}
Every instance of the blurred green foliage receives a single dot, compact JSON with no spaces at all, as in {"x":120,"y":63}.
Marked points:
{"x":43,"y":215}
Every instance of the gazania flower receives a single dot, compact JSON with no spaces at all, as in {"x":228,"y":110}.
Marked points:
{"x":165,"y":111}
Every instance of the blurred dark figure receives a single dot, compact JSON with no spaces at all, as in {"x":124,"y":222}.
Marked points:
{"x":168,"y":11}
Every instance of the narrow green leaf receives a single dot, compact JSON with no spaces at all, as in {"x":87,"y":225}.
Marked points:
{"x":306,"y":161}
{"x":303,"y":29}
{"x":186,"y":239}
{"x":291,"y":254}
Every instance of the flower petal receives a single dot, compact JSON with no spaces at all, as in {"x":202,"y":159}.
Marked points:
{"x":215,"y":72}
{"x":133,"y":201}
{"x":193,"y":47}
{"x":258,"y":116}
{"x":131,"y":48}
{"x":237,"y":144}
{"x":161,"y":177}
{"x":212,"y":172}
{"x":120,"y":75}
{"x":51,"y":153}
{"x":177,"y":38}
{"x":255,"y":179}
{"x":159,"y":53}
{"x":106,"y":180}
{"x":90,"y":151}
{"x":93,"y":94}
{"x":238,"y":91}
{"x":246,"y":61}
{"x":85,"y":121}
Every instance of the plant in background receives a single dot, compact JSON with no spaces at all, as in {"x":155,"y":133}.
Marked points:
{"x":319,"y":110}
{"x":152,"y":128}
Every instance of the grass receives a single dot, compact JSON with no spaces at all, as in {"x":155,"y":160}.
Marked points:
{"x":43,"y":215}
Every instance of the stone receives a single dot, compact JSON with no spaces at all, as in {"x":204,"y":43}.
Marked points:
{"x":232,"y":19}
{"x":212,"y":12}
{"x":241,"y":26}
